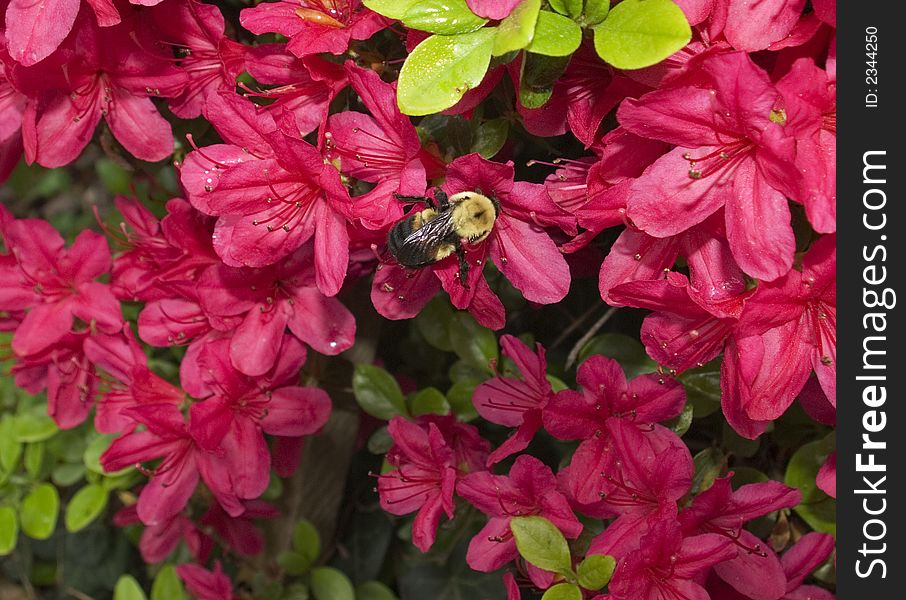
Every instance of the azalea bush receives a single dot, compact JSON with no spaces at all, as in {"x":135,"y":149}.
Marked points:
{"x":219,"y":382}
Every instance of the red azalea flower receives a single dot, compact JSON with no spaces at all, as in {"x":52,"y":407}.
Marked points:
{"x":529,"y":489}
{"x":423,"y":481}
{"x":753,"y":568}
{"x":515,"y":402}
{"x":271,"y":192}
{"x":730,"y":153}
{"x":240,"y":534}
{"x":239,"y":409}
{"x":826,"y":479}
{"x":607,"y":396}
{"x":12,"y":109}
{"x":258,"y":305}
{"x":492,"y":9}
{"x":788,"y":329}
{"x":97,"y":72}
{"x":314,"y":26}
{"x":133,"y":382}
{"x":55,"y":284}
{"x":204,"y":584}
{"x":666,"y":564}
{"x":157,"y":542}
{"x":522,"y":251}
{"x":173,"y":481}
{"x":194,"y":31}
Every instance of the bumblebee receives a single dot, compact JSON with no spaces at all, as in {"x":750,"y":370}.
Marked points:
{"x":431,"y":235}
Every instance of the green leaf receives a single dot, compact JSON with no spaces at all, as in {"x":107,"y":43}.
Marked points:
{"x":595,"y":11}
{"x":570,"y":8}
{"x":446,"y":17}
{"x":738,"y":445}
{"x":374,"y":590}
{"x":628,"y":351}
{"x":9,"y":530}
{"x":115,"y":178}
{"x":541,"y":543}
{"x":563,"y":591}
{"x":429,"y":401}
{"x":307,"y":540}
{"x":426,"y":578}
{"x":641,"y":33}
{"x":34,"y":458}
{"x":377,"y":392}
{"x":127,"y":588}
{"x":86,"y":505}
{"x":10,"y":446}
{"x":460,"y":398}
{"x":709,"y":463}
{"x":516,"y":30}
{"x":395,"y":9}
{"x":817,"y":508}
{"x":328,"y":583}
{"x":680,"y":425}
{"x":703,"y":388}
{"x":434,"y":320}
{"x":366,"y":541}
{"x":555,"y":35}
{"x":539,"y":74}
{"x":294,"y":563}
{"x":380,"y":441}
{"x":39,"y":512}
{"x":490,"y":137}
{"x":92,"y":456}
{"x":473,"y":343}
{"x":595,"y":571}
{"x":441,"y":69}
{"x":167,"y":585}
{"x":33,"y":427}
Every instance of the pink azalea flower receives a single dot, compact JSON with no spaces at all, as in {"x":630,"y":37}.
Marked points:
{"x":268,"y":300}
{"x":470,"y":450}
{"x":606,"y":397}
{"x":529,"y":489}
{"x":133,"y":382}
{"x":36,"y":29}
{"x":797,"y":563}
{"x":157,"y":542}
{"x":423,"y":481}
{"x":515,"y":402}
{"x":810,"y":102}
{"x":381,"y":147}
{"x":12,"y":109}
{"x":304,"y":87}
{"x":66,"y":373}
{"x":240,"y":534}
{"x":195,"y":32}
{"x":173,"y":481}
{"x":827,"y":476}
{"x":238,"y":410}
{"x":787,"y":330}
{"x":667,"y":564}
{"x":314,"y":26}
{"x":204,"y":584}
{"x":492,"y":9}
{"x":55,"y":284}
{"x":523,"y":252}
{"x":753,"y":568}
{"x":730,"y":153}
{"x":271,"y":192}
{"x":97,"y":72}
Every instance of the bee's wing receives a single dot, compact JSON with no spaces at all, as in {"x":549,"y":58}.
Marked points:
{"x":420,"y":246}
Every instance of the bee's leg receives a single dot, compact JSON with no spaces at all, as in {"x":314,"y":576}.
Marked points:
{"x":442,"y":199}
{"x":463,"y":267}
{"x":402,"y":198}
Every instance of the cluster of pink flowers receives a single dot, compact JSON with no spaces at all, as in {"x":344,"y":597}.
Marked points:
{"x":712,"y":149}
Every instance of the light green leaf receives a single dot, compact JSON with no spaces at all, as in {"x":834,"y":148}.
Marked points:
{"x":33,"y":427}
{"x":10,"y":446}
{"x":92,"y":456}
{"x":563,"y":591}
{"x":307,"y":540}
{"x":441,"y":69}
{"x":641,"y":33}
{"x":127,"y":588}
{"x":595,"y":571}
{"x":446,"y":17}
{"x":167,"y":585}
{"x":377,"y":392}
{"x":374,"y":590}
{"x":555,"y":35}
{"x":34,"y":458}
{"x":570,"y":8}
{"x":9,"y":530}
{"x":294,"y":563}
{"x":328,"y":583}
{"x":516,"y":30}
{"x":39,"y":512}
{"x":66,"y":474}
{"x":473,"y":343}
{"x":394,"y":9}
{"x":86,"y":505}
{"x":595,"y":11}
{"x":541,"y":543}
{"x":429,"y":401}
{"x":680,"y":424}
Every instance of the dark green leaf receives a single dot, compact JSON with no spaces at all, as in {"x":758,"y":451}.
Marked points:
{"x":374,"y":590}
{"x":460,"y":398}
{"x":366,"y":541}
{"x":709,"y":463}
{"x":628,"y":351}
{"x":703,"y":388}
{"x":441,"y":69}
{"x":472,"y":342}
{"x":490,"y":137}
{"x":434,"y":323}
{"x":817,"y":508}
